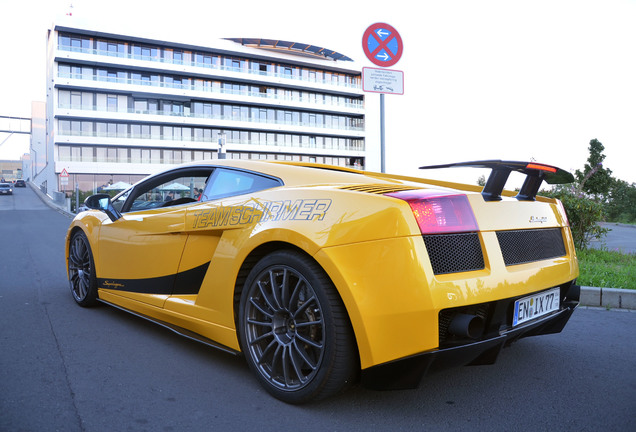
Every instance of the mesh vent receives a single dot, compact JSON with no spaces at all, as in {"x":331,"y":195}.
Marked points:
{"x":378,"y":188}
{"x":453,"y":253}
{"x":524,"y":246}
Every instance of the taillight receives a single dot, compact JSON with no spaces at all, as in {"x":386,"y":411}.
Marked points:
{"x":439,"y":212}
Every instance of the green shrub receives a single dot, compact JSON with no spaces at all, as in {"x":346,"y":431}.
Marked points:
{"x":583,"y":214}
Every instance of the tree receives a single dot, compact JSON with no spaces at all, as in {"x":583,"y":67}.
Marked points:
{"x":621,"y":204}
{"x":595,"y":179}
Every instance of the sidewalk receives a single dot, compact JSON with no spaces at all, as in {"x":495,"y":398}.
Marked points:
{"x":610,"y":298}
{"x":46,"y":199}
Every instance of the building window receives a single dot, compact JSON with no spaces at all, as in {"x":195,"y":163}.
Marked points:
{"x":64,"y":127}
{"x":111,"y":102}
{"x":76,"y":154}
{"x":76,"y":100}
{"x":155,"y":156}
{"x":64,"y":153}
{"x":135,"y":155}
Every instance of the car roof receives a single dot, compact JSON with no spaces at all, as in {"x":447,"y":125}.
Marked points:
{"x":301,"y":174}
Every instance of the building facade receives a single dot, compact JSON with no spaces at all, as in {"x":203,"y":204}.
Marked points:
{"x":10,"y":170}
{"x":120,"y":107}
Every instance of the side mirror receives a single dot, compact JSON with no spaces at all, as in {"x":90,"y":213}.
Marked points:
{"x":102,"y":202}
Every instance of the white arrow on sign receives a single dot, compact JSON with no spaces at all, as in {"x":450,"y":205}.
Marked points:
{"x":384,"y":56}
{"x":381,"y":33}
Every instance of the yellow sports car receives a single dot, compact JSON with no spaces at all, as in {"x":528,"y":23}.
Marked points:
{"x":322,"y":275}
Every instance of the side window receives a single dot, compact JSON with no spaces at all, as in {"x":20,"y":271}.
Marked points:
{"x":227,"y":182}
{"x":118,"y":203}
{"x":166,"y":190}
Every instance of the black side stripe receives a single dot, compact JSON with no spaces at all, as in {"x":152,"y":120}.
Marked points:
{"x":187,"y":282}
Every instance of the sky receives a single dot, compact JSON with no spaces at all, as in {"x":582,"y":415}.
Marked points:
{"x":506,"y":79}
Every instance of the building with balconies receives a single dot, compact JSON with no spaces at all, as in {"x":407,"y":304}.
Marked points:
{"x":122,"y":106}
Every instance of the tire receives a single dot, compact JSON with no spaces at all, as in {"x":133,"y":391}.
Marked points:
{"x":294,"y":329}
{"x":81,"y":270}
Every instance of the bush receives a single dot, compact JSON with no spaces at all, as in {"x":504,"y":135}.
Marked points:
{"x":583,"y":214}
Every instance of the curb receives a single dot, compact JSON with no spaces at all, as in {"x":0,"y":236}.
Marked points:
{"x":614,"y":298}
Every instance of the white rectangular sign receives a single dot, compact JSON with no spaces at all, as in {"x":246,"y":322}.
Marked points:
{"x":382,"y":81}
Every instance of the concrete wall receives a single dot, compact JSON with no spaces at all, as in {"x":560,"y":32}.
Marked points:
{"x":42,"y":172}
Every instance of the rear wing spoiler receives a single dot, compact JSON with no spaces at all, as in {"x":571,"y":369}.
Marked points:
{"x":535,"y":174}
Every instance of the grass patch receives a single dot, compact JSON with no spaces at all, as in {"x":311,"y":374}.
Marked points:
{"x":606,"y":269}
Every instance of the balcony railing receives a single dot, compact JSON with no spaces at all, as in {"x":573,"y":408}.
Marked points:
{"x":351,"y":146}
{"x":240,"y":117}
{"x":216,"y":66}
{"x":211,"y":89}
{"x":136,"y":160}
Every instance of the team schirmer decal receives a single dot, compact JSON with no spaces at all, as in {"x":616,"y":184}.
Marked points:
{"x":264,"y":211}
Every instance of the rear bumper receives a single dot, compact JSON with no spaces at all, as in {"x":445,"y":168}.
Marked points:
{"x":406,"y":373}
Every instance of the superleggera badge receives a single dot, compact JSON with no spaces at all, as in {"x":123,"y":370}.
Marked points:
{"x":535,"y":219}
{"x":108,"y":284}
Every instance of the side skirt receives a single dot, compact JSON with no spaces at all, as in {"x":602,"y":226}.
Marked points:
{"x":178,"y":330}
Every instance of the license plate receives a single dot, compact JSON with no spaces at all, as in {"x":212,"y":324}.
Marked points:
{"x":535,"y":306}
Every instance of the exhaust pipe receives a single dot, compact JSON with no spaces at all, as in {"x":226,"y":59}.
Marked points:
{"x":471,"y":326}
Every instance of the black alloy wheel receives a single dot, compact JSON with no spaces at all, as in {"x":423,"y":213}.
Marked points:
{"x":294,"y":329}
{"x":81,"y":270}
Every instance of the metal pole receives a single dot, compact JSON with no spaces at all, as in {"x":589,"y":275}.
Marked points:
{"x":76,"y":196}
{"x":382,"y":152}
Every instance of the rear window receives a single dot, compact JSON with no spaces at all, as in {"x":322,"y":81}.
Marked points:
{"x":227,"y":182}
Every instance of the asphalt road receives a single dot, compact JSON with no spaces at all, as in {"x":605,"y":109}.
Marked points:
{"x":620,"y":238}
{"x":65,"y":368}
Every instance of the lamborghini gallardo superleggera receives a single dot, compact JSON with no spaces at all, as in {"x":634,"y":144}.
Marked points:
{"x":322,"y":276}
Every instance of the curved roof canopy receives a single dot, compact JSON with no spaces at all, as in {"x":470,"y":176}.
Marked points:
{"x":297,"y":48}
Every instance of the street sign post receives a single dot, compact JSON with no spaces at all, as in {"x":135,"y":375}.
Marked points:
{"x":383,"y":46}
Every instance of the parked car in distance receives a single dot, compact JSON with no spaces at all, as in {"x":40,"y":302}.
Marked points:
{"x":6,"y":189}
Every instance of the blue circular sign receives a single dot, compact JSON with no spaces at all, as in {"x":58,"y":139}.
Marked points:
{"x":382,"y":44}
